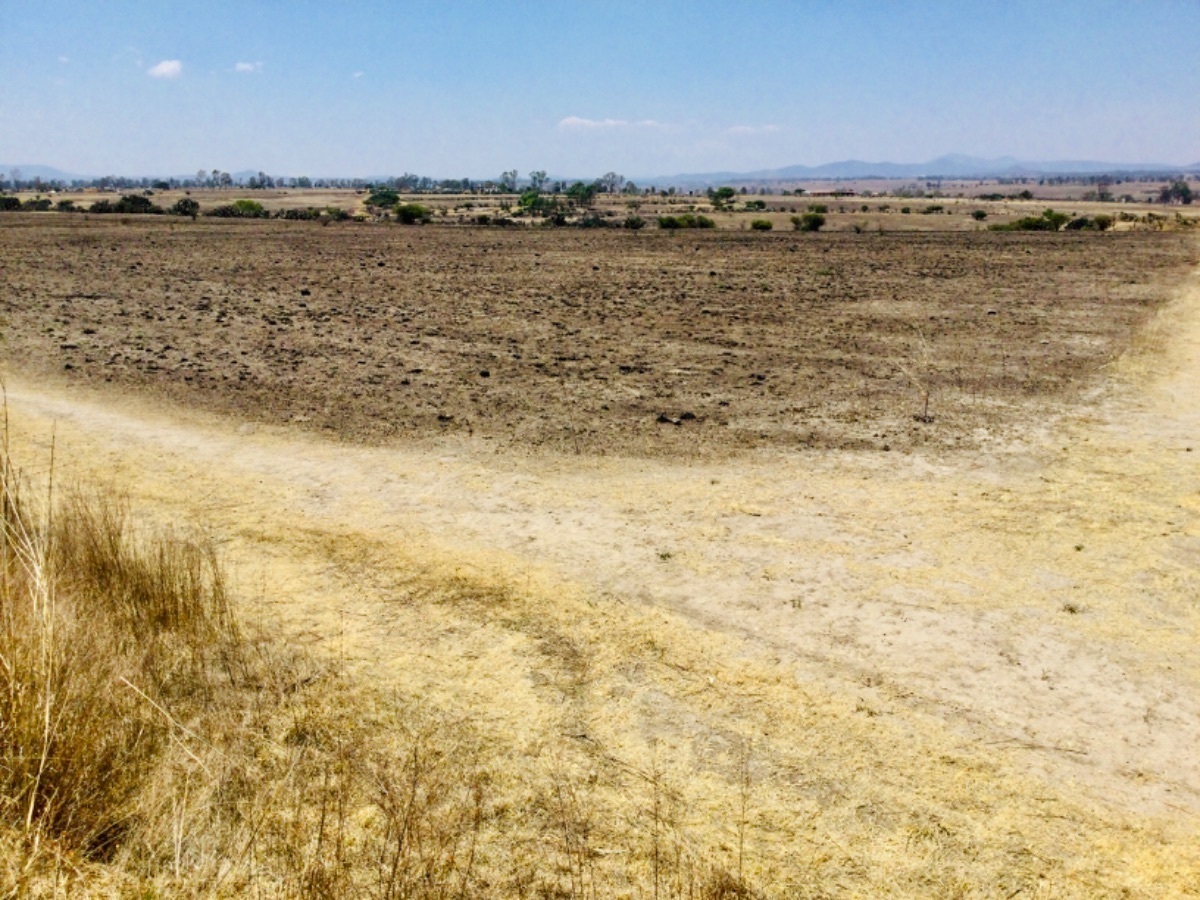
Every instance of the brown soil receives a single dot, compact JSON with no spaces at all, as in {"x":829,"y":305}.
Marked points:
{"x":584,"y":342}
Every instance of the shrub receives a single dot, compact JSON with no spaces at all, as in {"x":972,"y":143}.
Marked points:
{"x":185,"y":206}
{"x":1083,"y":223}
{"x":304,"y":215}
{"x":1047,"y":221}
{"x":383,"y":197}
{"x":752,"y":205}
{"x":635,"y":222}
{"x":131,"y":204}
{"x":65,"y":206}
{"x":40,"y":204}
{"x":686,"y":220}
{"x":761,"y":225}
{"x":810,"y":221}
{"x":930,"y":210}
{"x":249,"y":208}
{"x":906,"y":210}
{"x":819,"y":208}
{"x":9,"y":204}
{"x":592,"y":220}
{"x":979,"y":215}
{"x":240,"y":209}
{"x":412,"y":213}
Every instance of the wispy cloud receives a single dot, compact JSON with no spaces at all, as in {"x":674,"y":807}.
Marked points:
{"x":742,"y":130}
{"x":359,"y":74}
{"x":64,"y":59}
{"x":248,"y":68}
{"x":578,"y":123}
{"x":168,"y":68}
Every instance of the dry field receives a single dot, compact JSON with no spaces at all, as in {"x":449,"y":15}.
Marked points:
{"x":797,"y":643}
{"x":589,"y":342}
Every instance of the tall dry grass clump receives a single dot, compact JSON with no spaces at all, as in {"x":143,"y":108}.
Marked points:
{"x":100,"y":635}
{"x":149,"y":746}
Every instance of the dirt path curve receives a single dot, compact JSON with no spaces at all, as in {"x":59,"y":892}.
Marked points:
{"x":1042,"y":599}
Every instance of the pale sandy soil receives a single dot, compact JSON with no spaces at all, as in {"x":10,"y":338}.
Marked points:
{"x":1031,"y":609}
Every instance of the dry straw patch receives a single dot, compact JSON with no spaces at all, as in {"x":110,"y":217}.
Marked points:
{"x":488,"y":730}
{"x":148,"y":744}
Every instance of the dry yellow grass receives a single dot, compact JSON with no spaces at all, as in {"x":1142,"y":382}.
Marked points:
{"x":524,"y":738}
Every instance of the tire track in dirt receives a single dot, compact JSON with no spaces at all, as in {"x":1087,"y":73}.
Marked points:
{"x":1039,"y":599}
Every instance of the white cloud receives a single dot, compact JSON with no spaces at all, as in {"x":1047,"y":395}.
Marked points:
{"x":64,"y":59}
{"x":359,"y":74}
{"x":168,"y":68}
{"x":248,"y":68}
{"x":742,"y":130}
{"x":578,"y":123}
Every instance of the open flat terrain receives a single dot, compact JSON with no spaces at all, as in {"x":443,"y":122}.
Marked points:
{"x":836,"y":649}
{"x":593,"y":342}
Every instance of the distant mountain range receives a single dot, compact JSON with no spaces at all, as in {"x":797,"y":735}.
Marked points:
{"x":46,"y":173}
{"x":950,"y":166}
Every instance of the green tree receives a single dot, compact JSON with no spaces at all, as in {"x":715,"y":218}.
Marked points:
{"x":583,"y":194}
{"x":1176,"y":192}
{"x":185,"y":206}
{"x":537,"y":180}
{"x":721,"y":196}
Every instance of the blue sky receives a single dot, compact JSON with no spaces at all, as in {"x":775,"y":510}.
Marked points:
{"x":655,"y":87}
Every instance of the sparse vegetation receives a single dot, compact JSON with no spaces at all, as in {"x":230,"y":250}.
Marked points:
{"x":685,"y":220}
{"x":412,"y":213}
{"x":1047,"y":221}
{"x":761,"y":225}
{"x":135,"y":204}
{"x":239,"y":209}
{"x":809,"y":221}
{"x":383,"y":198}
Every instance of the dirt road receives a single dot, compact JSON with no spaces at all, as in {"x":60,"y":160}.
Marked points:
{"x":1035,"y":605}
